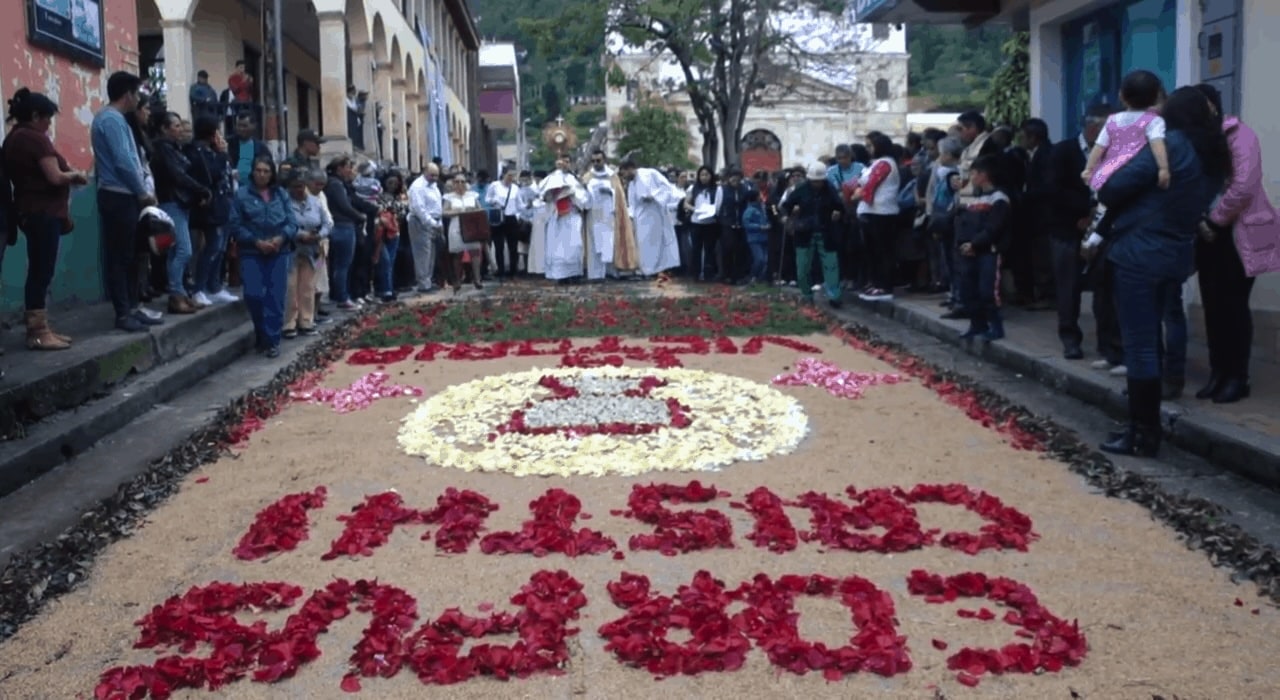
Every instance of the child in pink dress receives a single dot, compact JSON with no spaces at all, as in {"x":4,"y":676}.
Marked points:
{"x":1126,"y":133}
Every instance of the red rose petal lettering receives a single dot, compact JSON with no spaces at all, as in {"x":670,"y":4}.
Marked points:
{"x":1054,"y":643}
{"x":280,"y":526}
{"x":683,"y":531}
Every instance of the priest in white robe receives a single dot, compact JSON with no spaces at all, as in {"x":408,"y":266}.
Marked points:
{"x":566,"y":199}
{"x":653,"y":201}
{"x":610,"y":240}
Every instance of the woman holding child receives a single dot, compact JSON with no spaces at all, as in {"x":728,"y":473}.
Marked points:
{"x":1153,"y":210}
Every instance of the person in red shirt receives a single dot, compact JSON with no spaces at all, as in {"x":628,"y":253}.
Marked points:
{"x":241,"y":84}
{"x":42,"y":183}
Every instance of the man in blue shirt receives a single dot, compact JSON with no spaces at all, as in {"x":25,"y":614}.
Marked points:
{"x":204,"y":99}
{"x":244,"y":148}
{"x":122,"y":192}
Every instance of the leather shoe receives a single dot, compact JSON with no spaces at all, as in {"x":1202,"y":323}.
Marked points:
{"x":1211,"y":389}
{"x":1133,"y":442}
{"x":1232,"y":391}
{"x":1073,"y":352}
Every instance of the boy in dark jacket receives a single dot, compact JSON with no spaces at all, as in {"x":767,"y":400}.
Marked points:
{"x":982,"y":233}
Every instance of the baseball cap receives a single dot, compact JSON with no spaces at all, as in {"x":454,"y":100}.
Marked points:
{"x":308,"y":135}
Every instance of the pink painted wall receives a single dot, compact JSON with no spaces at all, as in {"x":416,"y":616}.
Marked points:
{"x":79,"y":89}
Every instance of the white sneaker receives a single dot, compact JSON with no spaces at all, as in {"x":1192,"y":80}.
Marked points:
{"x":149,"y":313}
{"x":1119,"y":371}
{"x":224,"y":297}
{"x":1100,"y":364}
{"x":816,"y":288}
{"x":201,"y":299}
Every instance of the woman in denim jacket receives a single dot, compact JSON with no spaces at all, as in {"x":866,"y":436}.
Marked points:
{"x":264,"y":226}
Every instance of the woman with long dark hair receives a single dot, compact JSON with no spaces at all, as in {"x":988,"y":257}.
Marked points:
{"x":178,"y":194}
{"x":877,"y":196}
{"x":264,"y":226}
{"x":139,"y":121}
{"x":1237,"y":239}
{"x":1154,"y":232}
{"x":392,"y":219}
{"x":208,"y":153}
{"x":346,"y":221}
{"x":42,"y":182}
{"x":703,"y":205}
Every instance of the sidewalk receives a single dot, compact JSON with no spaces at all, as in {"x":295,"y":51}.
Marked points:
{"x":1242,"y":437}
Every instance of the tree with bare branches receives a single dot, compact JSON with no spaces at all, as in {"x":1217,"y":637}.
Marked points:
{"x":724,"y":51}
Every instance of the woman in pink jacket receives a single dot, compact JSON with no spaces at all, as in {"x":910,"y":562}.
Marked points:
{"x":1239,"y":239}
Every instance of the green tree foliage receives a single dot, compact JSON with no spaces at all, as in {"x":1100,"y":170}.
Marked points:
{"x":954,"y":66}
{"x":1009,"y":101}
{"x":720,"y":48}
{"x":655,"y":135}
{"x":573,"y":71}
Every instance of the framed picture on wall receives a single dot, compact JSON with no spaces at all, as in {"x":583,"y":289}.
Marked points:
{"x":73,"y":28}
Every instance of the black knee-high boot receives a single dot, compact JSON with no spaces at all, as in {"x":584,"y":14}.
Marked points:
{"x":1142,"y":437}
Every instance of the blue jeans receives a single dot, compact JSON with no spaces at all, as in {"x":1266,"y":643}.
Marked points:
{"x":979,"y":279}
{"x":1141,"y":298}
{"x":266,"y":286}
{"x":180,"y":253}
{"x":209,"y":263}
{"x":1174,"y":349}
{"x":759,"y":259}
{"x":342,"y":250}
{"x":385,"y":276}
{"x":43,"y":233}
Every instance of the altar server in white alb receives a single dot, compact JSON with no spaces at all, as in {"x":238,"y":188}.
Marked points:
{"x":653,"y":202}
{"x":566,"y":199}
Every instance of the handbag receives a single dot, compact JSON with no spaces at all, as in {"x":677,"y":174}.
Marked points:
{"x":474,"y":227}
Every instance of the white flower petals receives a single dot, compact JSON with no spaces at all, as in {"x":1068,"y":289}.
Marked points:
{"x":733,"y":419}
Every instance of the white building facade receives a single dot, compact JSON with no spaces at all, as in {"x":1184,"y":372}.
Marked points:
{"x":801,"y":114}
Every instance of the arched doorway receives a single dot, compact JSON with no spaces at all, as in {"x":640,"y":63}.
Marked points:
{"x":761,"y":150}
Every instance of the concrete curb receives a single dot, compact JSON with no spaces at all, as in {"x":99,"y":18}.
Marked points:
{"x":1250,"y":453}
{"x":86,"y":371}
{"x":181,"y":357}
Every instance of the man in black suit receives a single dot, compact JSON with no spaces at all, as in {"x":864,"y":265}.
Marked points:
{"x":1066,"y":218}
{"x":1029,"y":254}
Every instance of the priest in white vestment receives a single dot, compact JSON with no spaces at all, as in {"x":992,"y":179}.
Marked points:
{"x":610,"y":240}
{"x":653,"y":202}
{"x":566,"y":199}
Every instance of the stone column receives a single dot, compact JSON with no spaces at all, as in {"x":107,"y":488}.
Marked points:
{"x":179,"y":64}
{"x":333,"y":84}
{"x":397,"y":119}
{"x":411,"y":139}
{"x":362,"y":77}
{"x":382,"y":93}
{"x":422,"y":127}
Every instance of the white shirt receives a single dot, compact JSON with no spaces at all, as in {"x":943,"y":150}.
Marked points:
{"x":1155,"y":128}
{"x":425,"y":203}
{"x":503,"y":196}
{"x":706,"y":205}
